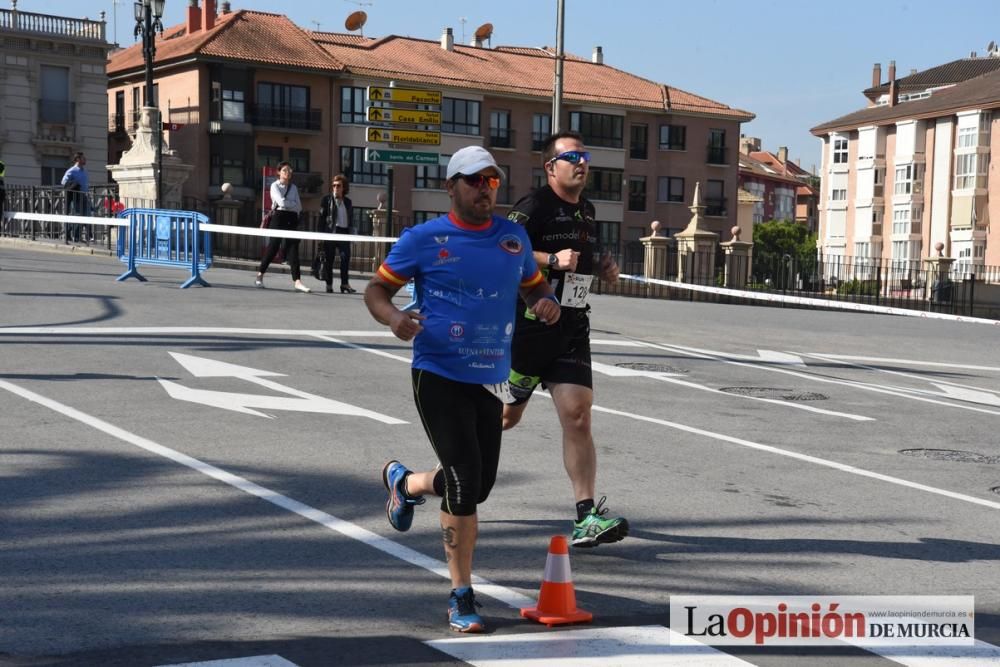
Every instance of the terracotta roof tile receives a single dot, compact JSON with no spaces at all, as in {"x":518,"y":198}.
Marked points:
{"x":260,"y":37}
{"x":243,"y":35}
{"x":518,"y":70}
{"x":750,"y":166}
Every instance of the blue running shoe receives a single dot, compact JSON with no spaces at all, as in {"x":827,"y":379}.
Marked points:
{"x":462,"y":616}
{"x":399,"y":506}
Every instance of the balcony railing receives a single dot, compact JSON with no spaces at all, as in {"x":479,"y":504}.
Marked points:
{"x":717,"y":155}
{"x":43,"y":24}
{"x":878,"y":190}
{"x":876,"y":229}
{"x":715,"y":206}
{"x":538,"y":140}
{"x":56,"y":111}
{"x":288,"y":117}
{"x":501,"y":137}
{"x":308,"y":182}
{"x":118,"y":123}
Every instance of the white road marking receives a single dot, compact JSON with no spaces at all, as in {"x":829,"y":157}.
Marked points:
{"x":801,"y":457}
{"x":171,"y":331}
{"x":615,"y":371}
{"x":952,"y":390}
{"x":979,"y":655}
{"x":303,"y":402}
{"x":910,"y":362}
{"x":253,"y":661}
{"x":753,"y":363}
{"x":590,"y":647}
{"x":505,"y":595}
{"x":774,"y":357}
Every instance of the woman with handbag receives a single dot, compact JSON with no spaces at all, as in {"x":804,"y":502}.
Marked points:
{"x":286,"y":207}
{"x":336,"y":213}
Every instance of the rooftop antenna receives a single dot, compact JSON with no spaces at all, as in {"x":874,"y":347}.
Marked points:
{"x":315,"y":23}
{"x":991,"y":48}
{"x":484,"y":33}
{"x":356,"y":21}
{"x":462,"y":20}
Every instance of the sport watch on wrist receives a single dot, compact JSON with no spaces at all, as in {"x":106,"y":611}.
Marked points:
{"x":552,"y":260}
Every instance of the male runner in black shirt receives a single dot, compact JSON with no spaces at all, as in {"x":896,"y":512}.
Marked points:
{"x":560,"y":224}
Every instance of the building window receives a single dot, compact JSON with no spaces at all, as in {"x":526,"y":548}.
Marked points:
{"x":598,"y":129}
{"x":233,"y":105}
{"x":538,"y":178}
{"x":607,"y":236}
{"x":715,"y":198}
{"x":268,"y":156}
{"x":119,"y":118}
{"x":670,"y":188}
{"x":430,"y":177}
{"x":298,"y":158}
{"x":637,"y":193}
{"x":971,"y":170}
{"x":838,"y":194}
{"x":280,"y":105}
{"x":353,"y":165}
{"x":541,"y":129}
{"x":459,"y":116}
{"x":605,"y":184}
{"x":840,"y":151}
{"x":638,"y":142}
{"x":352,"y":105}
{"x":908,"y":180}
{"x":505,"y":195}
{"x":501,"y":136}
{"x":53,"y":169}
{"x":716,"y":147}
{"x":673,"y":137}
{"x":54,"y":105}
{"x":968,"y":137}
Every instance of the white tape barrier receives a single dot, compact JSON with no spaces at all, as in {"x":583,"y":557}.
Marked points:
{"x":811,"y":301}
{"x":288,"y":234}
{"x":68,"y":219}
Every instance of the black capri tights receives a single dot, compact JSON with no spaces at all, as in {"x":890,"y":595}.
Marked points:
{"x":464,"y":423}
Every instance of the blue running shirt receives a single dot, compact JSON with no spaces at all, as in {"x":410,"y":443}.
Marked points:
{"x":466,"y":281}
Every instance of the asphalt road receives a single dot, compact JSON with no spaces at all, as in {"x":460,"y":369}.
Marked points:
{"x":158,"y":507}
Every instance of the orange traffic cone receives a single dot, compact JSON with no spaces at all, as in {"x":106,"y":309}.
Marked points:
{"x":557,"y":599}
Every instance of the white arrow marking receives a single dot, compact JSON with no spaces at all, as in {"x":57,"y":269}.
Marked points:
{"x":619,"y":372}
{"x":968,"y":395}
{"x":783,"y":358}
{"x":244,"y":403}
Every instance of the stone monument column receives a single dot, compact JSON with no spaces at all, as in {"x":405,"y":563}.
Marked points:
{"x":138,"y":173}
{"x":696,"y":246}
{"x":737,"y":260}
{"x":939,"y":285}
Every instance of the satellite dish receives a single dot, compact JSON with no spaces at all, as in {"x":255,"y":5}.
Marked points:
{"x":991,"y":46}
{"x":484,"y":32}
{"x":356,"y":21}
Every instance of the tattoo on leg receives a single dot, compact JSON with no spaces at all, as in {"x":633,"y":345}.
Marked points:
{"x":448,"y":537}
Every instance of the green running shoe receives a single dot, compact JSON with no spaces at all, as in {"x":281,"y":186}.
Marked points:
{"x":594,"y":529}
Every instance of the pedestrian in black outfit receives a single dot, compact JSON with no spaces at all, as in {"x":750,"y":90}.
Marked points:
{"x":287,"y":207}
{"x":336,"y":213}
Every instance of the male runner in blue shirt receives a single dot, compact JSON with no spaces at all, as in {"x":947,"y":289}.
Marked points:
{"x":469,"y":267}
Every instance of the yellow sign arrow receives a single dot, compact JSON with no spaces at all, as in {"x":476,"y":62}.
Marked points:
{"x":409,"y":95}
{"x":376,"y":134}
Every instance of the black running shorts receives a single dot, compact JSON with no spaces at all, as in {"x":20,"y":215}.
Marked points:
{"x":541,"y":354}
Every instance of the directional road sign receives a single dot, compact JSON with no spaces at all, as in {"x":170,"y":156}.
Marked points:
{"x":382,"y":135}
{"x":400,"y":157}
{"x":411,"y":116}
{"x":408,"y":95}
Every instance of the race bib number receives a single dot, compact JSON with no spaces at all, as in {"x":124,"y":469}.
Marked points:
{"x":576,"y":290}
{"x":501,"y":390}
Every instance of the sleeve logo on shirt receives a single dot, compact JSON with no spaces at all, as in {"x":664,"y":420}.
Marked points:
{"x":511,"y":244}
{"x":518,"y":217}
{"x":441,"y":239}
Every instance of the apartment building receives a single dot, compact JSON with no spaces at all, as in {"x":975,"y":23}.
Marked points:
{"x":252,"y":88}
{"x":912,"y":169}
{"x":53,"y":89}
{"x":782,"y":189}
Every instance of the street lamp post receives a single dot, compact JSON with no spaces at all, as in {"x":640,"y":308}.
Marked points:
{"x":147,"y":23}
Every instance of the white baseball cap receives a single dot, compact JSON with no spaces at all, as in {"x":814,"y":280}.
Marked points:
{"x":472,"y":160}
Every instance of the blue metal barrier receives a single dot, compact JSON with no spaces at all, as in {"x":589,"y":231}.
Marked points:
{"x":165,"y":238}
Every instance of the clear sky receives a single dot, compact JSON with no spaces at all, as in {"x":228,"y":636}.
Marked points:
{"x":793,"y":64}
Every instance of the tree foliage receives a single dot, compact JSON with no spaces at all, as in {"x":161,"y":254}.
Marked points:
{"x":778,"y":243}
